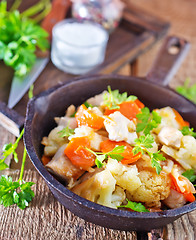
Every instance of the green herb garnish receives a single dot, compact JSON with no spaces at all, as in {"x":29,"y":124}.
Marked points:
{"x":66,"y":132}
{"x":18,"y":192}
{"x":188,"y":131}
{"x":190,"y":174}
{"x":15,"y":192}
{"x":114,"y":154}
{"x":141,"y":145}
{"x":188,"y":91}
{"x":86,"y":104}
{"x":19,"y":39}
{"x":9,"y":149}
{"x":147,"y":120}
{"x":137,"y":207}
{"x":112,"y":99}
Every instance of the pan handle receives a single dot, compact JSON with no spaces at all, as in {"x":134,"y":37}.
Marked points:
{"x":168,"y":60}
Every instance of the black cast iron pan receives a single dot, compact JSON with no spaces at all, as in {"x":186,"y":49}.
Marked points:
{"x":41,"y":111}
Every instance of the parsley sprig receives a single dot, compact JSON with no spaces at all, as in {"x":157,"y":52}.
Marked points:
{"x":114,"y":154}
{"x":147,"y":120}
{"x":112,"y":99}
{"x":188,"y":131}
{"x":137,"y":207}
{"x":142,"y":144}
{"x":188,"y":91}
{"x":15,"y":192}
{"x":86,"y":104}
{"x":19,"y":39}
{"x":9,"y":149}
{"x":190,"y":174}
{"x":66,"y":132}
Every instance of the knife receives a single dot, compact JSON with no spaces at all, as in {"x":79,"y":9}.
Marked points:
{"x":20,"y":86}
{"x":9,"y":118}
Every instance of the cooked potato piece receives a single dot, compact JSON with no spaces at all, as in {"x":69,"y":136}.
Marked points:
{"x":186,"y":155}
{"x":101,"y":189}
{"x":168,"y":119}
{"x":61,"y":166}
{"x":53,"y":142}
{"x":153,"y":189}
{"x":170,"y":136}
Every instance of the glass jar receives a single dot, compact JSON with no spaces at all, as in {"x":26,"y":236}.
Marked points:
{"x":105,"y":12}
{"x":78,"y":46}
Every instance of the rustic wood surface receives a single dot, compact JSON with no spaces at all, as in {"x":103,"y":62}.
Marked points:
{"x":133,"y":37}
{"x":46,"y":218}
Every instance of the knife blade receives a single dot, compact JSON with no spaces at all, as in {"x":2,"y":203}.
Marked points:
{"x":20,"y":86}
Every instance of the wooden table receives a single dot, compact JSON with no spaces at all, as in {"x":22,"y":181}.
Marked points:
{"x":48,"y":219}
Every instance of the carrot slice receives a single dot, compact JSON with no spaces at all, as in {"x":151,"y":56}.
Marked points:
{"x":45,"y":160}
{"x":128,"y":109}
{"x":78,"y":154}
{"x":85,"y":117}
{"x":189,"y":197}
{"x":107,"y":146}
{"x":133,"y":159}
{"x":187,"y":187}
{"x":180,"y":120}
{"x":139,"y":103}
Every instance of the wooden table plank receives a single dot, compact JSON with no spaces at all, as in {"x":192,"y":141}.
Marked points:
{"x":48,"y":219}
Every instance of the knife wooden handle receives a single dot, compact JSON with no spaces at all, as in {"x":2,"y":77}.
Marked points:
{"x":11,"y":120}
{"x":58,"y":12}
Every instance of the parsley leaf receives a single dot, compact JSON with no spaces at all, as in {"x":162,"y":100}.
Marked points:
{"x":9,"y":149}
{"x":186,"y":91}
{"x":18,"y":192}
{"x":190,"y":174}
{"x":86,"y":104}
{"x":147,"y":121}
{"x":19,"y":39}
{"x":114,"y":154}
{"x":155,"y":157}
{"x":142,"y":144}
{"x":15,"y":192}
{"x":112,"y":99}
{"x":66,"y":132}
{"x":137,"y":207}
{"x":188,"y":131}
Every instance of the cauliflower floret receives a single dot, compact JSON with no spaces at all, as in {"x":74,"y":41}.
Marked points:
{"x":126,"y":176}
{"x":95,"y":139}
{"x":120,"y":128}
{"x":53,"y":142}
{"x":168,"y":119}
{"x":101,"y":188}
{"x":153,"y":189}
{"x":170,"y":136}
{"x":186,"y":155}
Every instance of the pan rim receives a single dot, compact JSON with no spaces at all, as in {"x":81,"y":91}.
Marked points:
{"x":68,"y":193}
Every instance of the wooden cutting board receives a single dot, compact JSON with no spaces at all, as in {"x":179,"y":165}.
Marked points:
{"x":137,"y":32}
